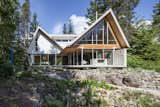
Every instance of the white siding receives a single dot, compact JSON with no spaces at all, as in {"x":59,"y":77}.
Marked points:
{"x":120,"y":57}
{"x":44,"y":46}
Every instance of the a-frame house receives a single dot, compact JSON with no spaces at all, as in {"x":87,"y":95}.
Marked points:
{"x":103,"y":44}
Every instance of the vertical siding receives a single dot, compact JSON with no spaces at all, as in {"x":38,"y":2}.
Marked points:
{"x":120,"y":57}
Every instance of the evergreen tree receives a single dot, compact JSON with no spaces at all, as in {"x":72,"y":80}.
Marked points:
{"x":26,"y":20}
{"x":123,"y":9}
{"x":144,"y":45}
{"x":34,"y":23}
{"x":156,"y":19}
{"x":7,"y":28}
{"x":64,"y":29}
{"x":156,"y":14}
{"x":70,"y":30}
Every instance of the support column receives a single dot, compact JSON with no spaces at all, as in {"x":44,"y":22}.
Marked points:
{"x":77,"y":57}
{"x":103,"y":53}
{"x":92,"y":37}
{"x":107,"y":32}
{"x":81,"y":56}
{"x":125,"y":57}
{"x":40,"y":59}
{"x":92,"y":56}
{"x":70,"y":59}
{"x":48,"y":60}
{"x":113,"y":56}
{"x":73,"y":58}
{"x":55,"y":59}
{"x":32,"y":60}
{"x":103,"y":34}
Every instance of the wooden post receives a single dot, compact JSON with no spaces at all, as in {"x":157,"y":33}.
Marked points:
{"x":32,"y":60}
{"x":125,"y":57}
{"x":73,"y":58}
{"x":55,"y":59}
{"x":40,"y":59}
{"x":48,"y":59}
{"x":77,"y":57}
{"x":107,"y":33}
{"x":92,"y":37}
{"x":96,"y":36}
{"x":92,"y":56}
{"x":103,"y":54}
{"x":81,"y":56}
{"x":103,"y":34}
{"x":113,"y":56}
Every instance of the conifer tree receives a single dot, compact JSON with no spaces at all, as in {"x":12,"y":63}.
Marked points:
{"x":26,"y":20}
{"x":7,"y":28}
{"x":156,"y":14}
{"x":123,"y":9}
{"x":70,"y":30}
{"x":34,"y":23}
{"x":64,"y":29}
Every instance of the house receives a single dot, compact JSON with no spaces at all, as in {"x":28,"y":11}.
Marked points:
{"x":103,"y":44}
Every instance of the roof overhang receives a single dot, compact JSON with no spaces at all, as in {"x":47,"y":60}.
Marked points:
{"x":77,"y":48}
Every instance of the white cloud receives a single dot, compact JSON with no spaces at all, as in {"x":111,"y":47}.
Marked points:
{"x":79,"y":23}
{"x":57,"y":28}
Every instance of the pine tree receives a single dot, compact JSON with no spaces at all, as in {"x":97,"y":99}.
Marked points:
{"x":156,"y":19}
{"x":26,"y":20}
{"x":7,"y":28}
{"x":64,"y":29}
{"x":123,"y":9}
{"x":70,"y":30}
{"x":34,"y":23}
{"x":156,"y":14}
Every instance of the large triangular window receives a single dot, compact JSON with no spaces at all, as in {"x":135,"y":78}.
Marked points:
{"x":102,"y":33}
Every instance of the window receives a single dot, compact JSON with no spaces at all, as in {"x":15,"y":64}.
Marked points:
{"x":44,"y":59}
{"x":37,"y":59}
{"x":111,"y":39}
{"x":101,"y":33}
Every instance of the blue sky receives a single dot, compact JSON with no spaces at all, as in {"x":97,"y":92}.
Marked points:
{"x":53,"y":13}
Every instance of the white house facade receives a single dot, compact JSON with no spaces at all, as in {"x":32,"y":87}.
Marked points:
{"x":103,"y":44}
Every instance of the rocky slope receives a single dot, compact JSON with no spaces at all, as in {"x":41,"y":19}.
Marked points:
{"x":82,"y":88}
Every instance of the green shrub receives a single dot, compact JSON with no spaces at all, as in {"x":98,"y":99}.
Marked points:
{"x":26,"y":74}
{"x":6,"y":70}
{"x":134,"y":61}
{"x":147,"y":101}
{"x":52,"y":102}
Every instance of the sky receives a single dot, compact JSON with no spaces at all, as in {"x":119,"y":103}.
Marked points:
{"x":52,"y":14}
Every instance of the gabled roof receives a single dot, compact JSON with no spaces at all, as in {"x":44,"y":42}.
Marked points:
{"x":44,"y":34}
{"x":113,"y":21}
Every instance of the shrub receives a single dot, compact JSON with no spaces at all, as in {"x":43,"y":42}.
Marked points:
{"x":134,"y":61}
{"x":6,"y":70}
{"x":52,"y":102}
{"x":26,"y":74}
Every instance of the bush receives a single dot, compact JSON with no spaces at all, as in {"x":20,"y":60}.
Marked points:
{"x":6,"y":70}
{"x":52,"y":102}
{"x":134,"y":61}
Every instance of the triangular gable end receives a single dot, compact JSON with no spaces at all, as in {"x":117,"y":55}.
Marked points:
{"x":113,"y":25}
{"x":101,"y":33}
{"x":40,"y":37}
